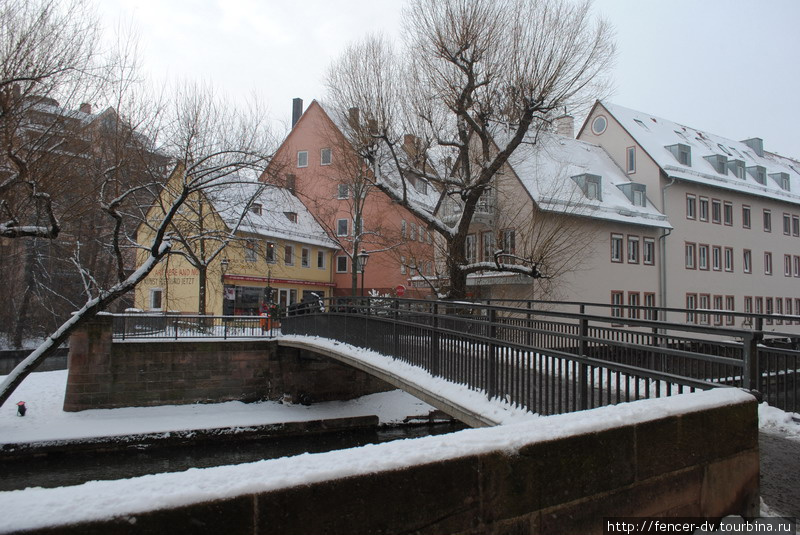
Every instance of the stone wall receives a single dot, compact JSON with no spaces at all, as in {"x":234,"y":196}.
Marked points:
{"x":700,"y":461}
{"x":103,"y":374}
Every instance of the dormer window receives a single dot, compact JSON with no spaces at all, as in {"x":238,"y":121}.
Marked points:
{"x":682,"y":153}
{"x":255,"y":208}
{"x":759,"y":173}
{"x":718,"y":162}
{"x":591,"y":186}
{"x":636,"y":193}
{"x":291,"y":216}
{"x":737,"y":168}
{"x":782,"y":179}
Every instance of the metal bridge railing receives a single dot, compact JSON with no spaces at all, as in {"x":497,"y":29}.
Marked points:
{"x":181,"y":327}
{"x":550,"y":361}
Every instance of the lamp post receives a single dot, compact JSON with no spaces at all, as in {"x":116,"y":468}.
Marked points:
{"x":223,"y":268}
{"x":363,"y":256}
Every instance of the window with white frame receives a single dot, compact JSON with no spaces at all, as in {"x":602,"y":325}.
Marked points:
{"x":325,"y":156}
{"x":633,"y":303}
{"x":716,"y":258}
{"x":691,"y":255}
{"x":343,"y":191}
{"x":795,"y":225}
{"x":728,"y":259}
{"x":402,"y":265}
{"x":704,"y":304}
{"x":302,"y":158}
{"x":787,"y":265}
{"x":288,"y":254}
{"x":747,"y":261}
{"x":509,"y":244}
{"x":796,"y":262}
{"x":703,"y":209}
{"x":702,"y":256}
{"x":716,"y":211}
{"x":717,"y":307}
{"x":691,"y":206}
{"x":729,"y":306}
{"x":269,"y":252}
{"x":305,"y":257}
{"x":156,"y":298}
{"x":691,"y":305}
{"x":633,"y":249}
{"x":321,"y":259}
{"x":616,"y":302}
{"x":745,"y":216}
{"x":767,"y":220}
{"x":342,"y":227}
{"x":616,"y":247}
{"x":727,"y":213}
{"x":631,"y":159}
{"x":650,"y":302}
{"x":787,"y":224}
{"x":470,"y":248}
{"x":767,"y":263}
{"x":341,"y":264}
{"x":487,"y":238}
{"x":649,"y":251}
{"x":250,"y":251}
{"x":403,"y":229}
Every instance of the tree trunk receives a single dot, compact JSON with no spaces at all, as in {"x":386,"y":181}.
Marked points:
{"x":202,"y":276}
{"x":24,"y":306}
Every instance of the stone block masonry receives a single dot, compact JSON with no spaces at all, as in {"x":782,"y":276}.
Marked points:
{"x":104,"y":375}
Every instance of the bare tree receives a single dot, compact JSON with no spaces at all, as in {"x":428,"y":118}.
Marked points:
{"x":475,"y":80}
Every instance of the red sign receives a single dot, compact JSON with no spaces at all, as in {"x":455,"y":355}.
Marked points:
{"x":400,"y":290}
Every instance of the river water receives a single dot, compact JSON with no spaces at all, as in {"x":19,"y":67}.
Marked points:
{"x":64,"y":469}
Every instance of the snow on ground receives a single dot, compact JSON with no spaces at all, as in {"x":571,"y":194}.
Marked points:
{"x":772,"y":420}
{"x":36,"y":507}
{"x":43,"y":394}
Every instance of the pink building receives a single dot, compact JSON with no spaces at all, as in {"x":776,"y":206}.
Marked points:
{"x":318,"y":164}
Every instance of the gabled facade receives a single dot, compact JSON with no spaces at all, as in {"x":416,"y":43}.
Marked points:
{"x":734,"y":209}
{"x":318,"y":164}
{"x":278,"y":254}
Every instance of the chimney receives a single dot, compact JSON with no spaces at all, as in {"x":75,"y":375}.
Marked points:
{"x":757,"y":144}
{"x":565,"y":126}
{"x":86,"y":108}
{"x":297,"y":110}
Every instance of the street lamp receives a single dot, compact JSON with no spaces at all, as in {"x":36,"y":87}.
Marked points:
{"x":363,"y":256}
{"x":223,"y":268}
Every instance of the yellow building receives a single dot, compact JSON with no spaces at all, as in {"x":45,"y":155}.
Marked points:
{"x":237,"y":246}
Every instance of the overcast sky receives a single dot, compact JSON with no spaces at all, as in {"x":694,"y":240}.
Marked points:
{"x":729,"y":67}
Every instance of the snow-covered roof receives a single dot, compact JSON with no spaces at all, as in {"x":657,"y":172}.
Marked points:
{"x":282,"y":215}
{"x":551,"y":168}
{"x":654,"y":134}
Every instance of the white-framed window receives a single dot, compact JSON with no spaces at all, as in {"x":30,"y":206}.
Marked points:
{"x":745,"y":216}
{"x":305,"y":257}
{"x":325,"y":157}
{"x":343,"y":191}
{"x":691,"y":255}
{"x":599,"y":125}
{"x":691,"y":206}
{"x":705,"y":304}
{"x":633,"y":302}
{"x":302,"y":158}
{"x":616,"y":302}
{"x":269,"y":252}
{"x":291,"y":216}
{"x":256,"y":208}
{"x":729,"y":306}
{"x":650,"y":303}
{"x":341,"y":264}
{"x":727,"y":213}
{"x":402,"y":265}
{"x":649,"y":251}
{"x":728,"y":259}
{"x":616,"y":247}
{"x":342,"y":227}
{"x":288,"y":254}
{"x":403,"y":230}
{"x":509,"y":243}
{"x":767,"y":263}
{"x":702,"y":256}
{"x":691,"y":305}
{"x":767,"y":220}
{"x":630,"y":159}
{"x":156,"y":298}
{"x":796,"y":262}
{"x":703,"y":209}
{"x":412,"y":235}
{"x":487,"y":238}
{"x":250,"y":251}
{"x":787,"y":224}
{"x":718,"y":306}
{"x":716,"y":211}
{"x":716,"y":258}
{"x":747,"y":261}
{"x":795,"y":225}
{"x":321,"y":256}
{"x":470,"y":248}
{"x":633,"y":249}
{"x":787,"y":265}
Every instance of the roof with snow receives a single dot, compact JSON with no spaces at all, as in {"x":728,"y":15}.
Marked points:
{"x":266,"y":210}
{"x":714,"y":160}
{"x":556,"y":171}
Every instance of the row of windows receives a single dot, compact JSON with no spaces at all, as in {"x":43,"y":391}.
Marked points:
{"x":721,"y":212}
{"x":409,"y":231}
{"x":489,"y":246}
{"x":645,"y":246}
{"x":635,"y":299}
{"x":711,"y":303}
{"x":777,"y":305}
{"x":717,"y":258}
{"x":325,"y":157}
{"x":288,"y":257}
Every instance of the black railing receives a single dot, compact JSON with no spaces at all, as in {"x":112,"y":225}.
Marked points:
{"x":183,"y":327}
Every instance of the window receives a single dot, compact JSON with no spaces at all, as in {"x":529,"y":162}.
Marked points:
{"x":633,"y":301}
{"x":727,"y":213}
{"x":291,"y":216}
{"x":745,"y":216}
{"x":639,"y":198}
{"x":302,"y":158}
{"x":402,"y":265}
{"x":797,"y":309}
{"x":487,"y":239}
{"x":795,"y":225}
{"x":412,"y":235}
{"x":759,"y":305}
{"x":250,"y":251}
{"x":255,"y":208}
{"x":691,"y":305}
{"x":616,"y":248}
{"x":631,"y":159}
{"x":599,"y":125}
{"x":789,"y":309}
{"x":590,"y":185}
{"x":691,"y":206}
{"x":470,"y":248}
{"x":729,"y":306}
{"x":341,"y":264}
{"x":633,"y":249}
{"x":288,"y":254}
{"x":156,"y":297}
{"x":269,"y":252}
{"x":342,"y":227}
{"x":325,"y":157}
{"x":649,"y":251}
{"x":767,"y":220}
{"x":305,"y":257}
{"x":716,"y":211}
{"x":703,"y":209}
{"x":320,"y":259}
{"x":691,"y":249}
{"x":748,"y":305}
{"x":769,"y":310}
{"x":796,"y":261}
{"x":747,"y":261}
{"x":343,"y":191}
{"x":716,"y":258}
{"x":616,"y":302}
{"x":729,"y":259}
{"x":650,"y":303}
{"x":787,"y":265}
{"x":509,"y":244}
{"x":767,"y":263}
{"x":702,"y":256}
{"x":681,"y":152}
{"x":705,"y":305}
{"x":779,"y":309}
{"x":718,"y":307}
{"x":403,"y":229}
{"x":787,"y":224}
